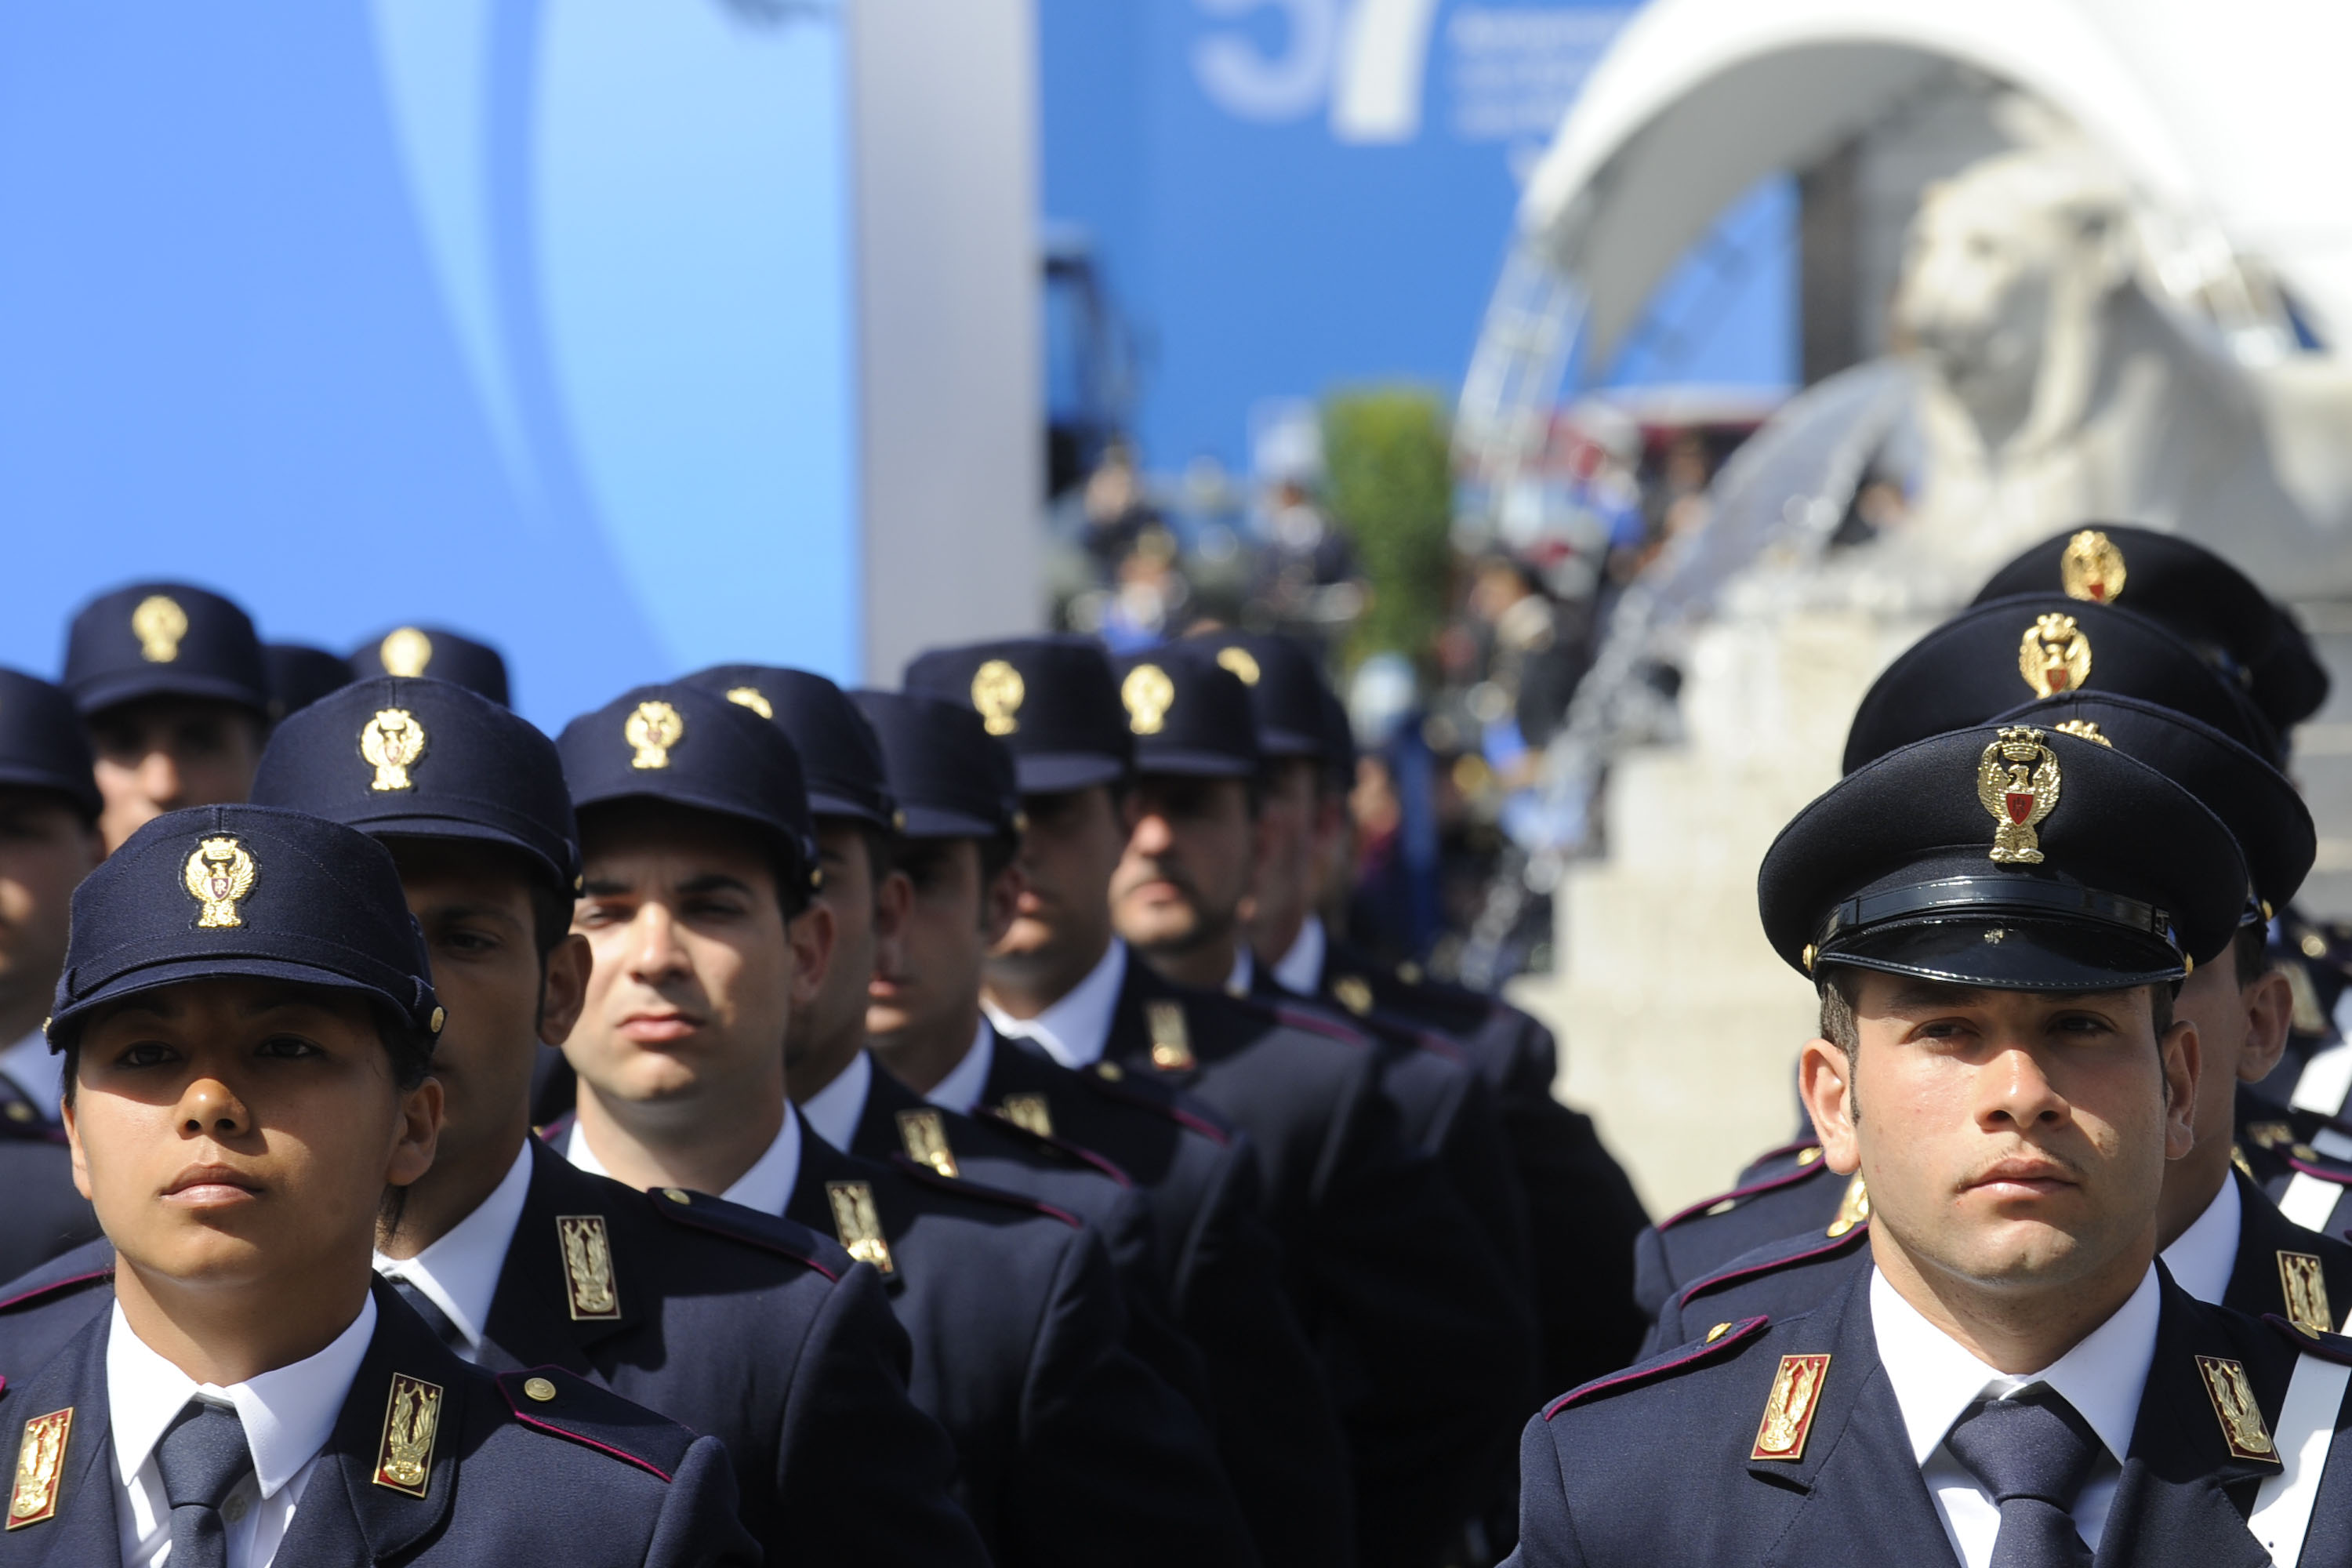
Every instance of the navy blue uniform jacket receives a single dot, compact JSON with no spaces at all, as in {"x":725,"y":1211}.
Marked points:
{"x":1070,"y":1451}
{"x":47,"y":1216}
{"x":587,"y":1477}
{"x":1786,"y":1192}
{"x":1420,"y":1328}
{"x":1653,"y":1465}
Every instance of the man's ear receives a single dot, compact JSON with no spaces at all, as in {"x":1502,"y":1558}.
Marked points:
{"x":812,"y":938}
{"x":2183,"y":1057}
{"x":2270,"y":1008}
{"x":894,"y":898}
{"x":418,"y":1135}
{"x":999,"y":901}
{"x":1824,"y":1082}
{"x":563,"y":989}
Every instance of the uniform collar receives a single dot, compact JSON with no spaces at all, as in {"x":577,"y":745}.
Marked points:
{"x":1935,"y":1379}
{"x":460,"y":1270}
{"x":1243,"y":978}
{"x":288,"y":1412}
{"x":1301,"y":971}
{"x":38,"y":1071}
{"x":834,"y":1110}
{"x":961,"y":1090}
{"x":764,"y":1186}
{"x":1074,"y":1029}
{"x":2203,"y":1258}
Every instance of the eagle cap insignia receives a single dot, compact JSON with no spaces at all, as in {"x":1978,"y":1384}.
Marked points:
{"x":40,"y":1464}
{"x":651,"y":730}
{"x":859,"y":1225}
{"x":588,"y":1266}
{"x":2234,"y":1404}
{"x":925,"y":1135}
{"x":404,"y":652}
{"x":219,"y":873}
{"x":2304,"y":1286}
{"x":2092,"y":568}
{"x":997,"y":689}
{"x":754,"y":698}
{"x":1790,"y":1409}
{"x":1148,"y":693}
{"x":2017,"y":784}
{"x":411,"y":1419}
{"x":159,"y":624}
{"x":2054,"y":655}
{"x":1171,"y":1043}
{"x":1239,"y":660}
{"x":390,"y":742}
{"x":2085,"y":729}
{"x":1028,"y":1111}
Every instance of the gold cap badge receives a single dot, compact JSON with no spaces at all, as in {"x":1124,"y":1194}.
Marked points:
{"x":2085,"y":729}
{"x":2017,"y":784}
{"x":2305,"y":1290}
{"x":856,"y":1221}
{"x":1148,"y":694}
{"x":390,"y":742}
{"x":219,"y":873}
{"x":412,"y":1417}
{"x":588,"y":1266}
{"x":1240,"y":662}
{"x":2054,"y":655}
{"x":925,"y":1135}
{"x":2092,"y":568}
{"x":751,"y":697}
{"x":997,"y":689}
{"x":405,"y":653}
{"x":1789,"y":1409}
{"x":1030,"y":1111}
{"x":1171,"y":1044}
{"x":652,"y":729}
{"x":2234,"y":1402}
{"x":41,"y":1463}
{"x":159,"y":624}
{"x":1852,"y":1208}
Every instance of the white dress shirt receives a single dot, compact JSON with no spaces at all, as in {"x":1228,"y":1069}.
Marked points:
{"x":766,"y":1187}
{"x":459,"y":1272}
{"x":38,"y":1072}
{"x":961,"y":1090}
{"x":289,"y":1414}
{"x":1935,"y":1380}
{"x":2204,"y":1256}
{"x":1076,"y":1029}
{"x":1300,"y":970}
{"x":834,"y":1110}
{"x":1243,"y":974}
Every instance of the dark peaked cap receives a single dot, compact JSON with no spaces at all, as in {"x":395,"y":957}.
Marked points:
{"x":839,"y":756}
{"x":1189,"y":714}
{"x":1892,"y":868}
{"x":1286,"y":688}
{"x":1971,"y":668}
{"x":684,"y":746}
{"x":1052,"y":701}
{"x":951,"y":777}
{"x":42,"y":744}
{"x":426,"y":759}
{"x":163,"y":639}
{"x":2253,"y":800}
{"x":288,"y":897}
{"x":2191,"y":590}
{"x":438,"y":653}
{"x":299,"y":675}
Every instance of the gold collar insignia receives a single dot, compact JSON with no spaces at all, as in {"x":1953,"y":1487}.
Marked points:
{"x":40,"y":1466}
{"x":1171,"y":1044}
{"x":411,"y":1419}
{"x":925,"y":1135}
{"x":859,"y":1225}
{"x":1030,"y":1111}
{"x":219,"y":872}
{"x":2234,"y":1404}
{"x":1852,"y":1208}
{"x":2305,"y":1290}
{"x":1790,"y":1409}
{"x":588,"y":1266}
{"x":390,"y":742}
{"x":1355,"y":993}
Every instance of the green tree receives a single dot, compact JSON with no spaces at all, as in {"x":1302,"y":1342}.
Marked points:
{"x":1387,"y":457}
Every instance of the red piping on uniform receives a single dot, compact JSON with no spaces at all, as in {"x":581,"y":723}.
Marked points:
{"x":1786,"y":1178}
{"x":686,"y":1216}
{"x":1770,"y":1265}
{"x":55,"y":1285}
{"x":1699,"y":1351}
{"x":2341,"y":1178}
{"x":528,"y":1419}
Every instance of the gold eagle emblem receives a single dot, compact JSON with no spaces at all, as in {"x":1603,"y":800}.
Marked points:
{"x":390,"y":742}
{"x":2092,"y":568}
{"x":588,"y":1266}
{"x":2054,"y":655}
{"x":2234,"y":1402}
{"x":1148,"y":694}
{"x":1239,"y":660}
{"x":652,"y":730}
{"x":1030,"y":1111}
{"x":1790,"y":1409}
{"x":997,"y":689}
{"x":218,"y":874}
{"x":40,"y":1462}
{"x":2017,"y":784}
{"x":2305,"y":1286}
{"x":751,"y":697}
{"x":925,"y":1135}
{"x":159,"y":624}
{"x":405,"y":653}
{"x":859,"y":1225}
{"x":1171,"y":1043}
{"x":412,"y":1416}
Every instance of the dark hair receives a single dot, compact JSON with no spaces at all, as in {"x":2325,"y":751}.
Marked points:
{"x":2251,"y":948}
{"x":551,"y":908}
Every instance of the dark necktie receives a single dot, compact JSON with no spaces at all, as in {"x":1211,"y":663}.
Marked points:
{"x":424,"y":1306}
{"x":2033,"y":1453}
{"x":202,"y":1457}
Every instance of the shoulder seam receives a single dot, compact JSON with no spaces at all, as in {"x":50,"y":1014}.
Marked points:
{"x":55,"y":1285}
{"x":983,"y":1191}
{"x":542,"y":1424}
{"x":704,"y":1223}
{"x":1739,"y":1333}
{"x":1697,"y":1289}
{"x":1770,"y":1183}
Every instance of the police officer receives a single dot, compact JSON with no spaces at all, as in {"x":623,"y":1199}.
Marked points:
{"x":171,"y":683}
{"x":2222,"y":1238}
{"x":1996,"y":919}
{"x":299,"y":675}
{"x":436,"y":652}
{"x":747,"y":1327}
{"x":959,"y":841}
{"x":1383,"y":1262}
{"x":1583,"y":1213}
{"x":247,"y":1028}
{"x":49,"y":842}
{"x":699,"y":864}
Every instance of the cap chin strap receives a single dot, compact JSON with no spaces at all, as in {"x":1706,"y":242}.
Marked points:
{"x":2022,"y":897}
